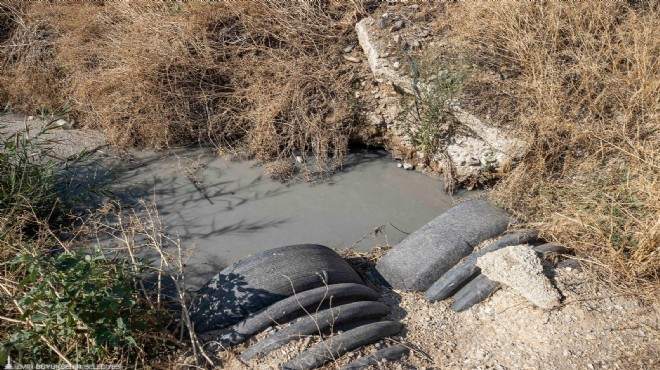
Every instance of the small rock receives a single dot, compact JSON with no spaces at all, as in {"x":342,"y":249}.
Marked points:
{"x":382,"y":23}
{"x":416,"y":44}
{"x":480,"y":355}
{"x":385,"y":15}
{"x":349,"y":48}
{"x":299,"y":159}
{"x":424,"y":33}
{"x":396,"y":65}
{"x":399,"y":165}
{"x":63,"y":124}
{"x":352,"y":59}
{"x":408,"y":166}
{"x":474,"y":162}
{"x":398,"y":39}
{"x":397,"y":26}
{"x":519,"y":267}
{"x":30,"y":118}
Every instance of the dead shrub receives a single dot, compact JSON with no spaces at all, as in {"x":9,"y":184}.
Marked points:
{"x":268,"y":77}
{"x":28,"y":78}
{"x":281,"y":170}
{"x":590,"y":80}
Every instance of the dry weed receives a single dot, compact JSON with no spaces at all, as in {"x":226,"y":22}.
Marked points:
{"x":281,"y":170}
{"x":268,"y":77}
{"x":589,"y":78}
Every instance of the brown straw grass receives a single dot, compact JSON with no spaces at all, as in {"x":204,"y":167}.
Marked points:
{"x":267,"y":79}
{"x":588,"y":78}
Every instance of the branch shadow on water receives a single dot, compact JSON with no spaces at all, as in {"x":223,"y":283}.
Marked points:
{"x":190,"y":212}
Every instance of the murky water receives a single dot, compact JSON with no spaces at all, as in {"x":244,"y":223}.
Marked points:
{"x":234,"y":210}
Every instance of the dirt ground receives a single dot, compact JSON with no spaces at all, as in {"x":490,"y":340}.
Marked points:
{"x":593,"y":329}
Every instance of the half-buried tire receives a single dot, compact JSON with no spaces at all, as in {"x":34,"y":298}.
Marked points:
{"x":423,"y":257}
{"x":317,"y":322}
{"x":288,"y":309}
{"x":391,"y":353}
{"x":455,"y":278}
{"x":264,"y":278}
{"x":338,"y":345}
{"x":474,"y":292}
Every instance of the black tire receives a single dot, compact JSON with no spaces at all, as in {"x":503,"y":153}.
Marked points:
{"x":551,"y":248}
{"x":474,"y":292}
{"x":265,"y":278}
{"x":289,"y":309}
{"x":455,"y":278}
{"x":338,"y":345}
{"x":423,"y":257}
{"x":391,"y":353}
{"x":317,"y":323}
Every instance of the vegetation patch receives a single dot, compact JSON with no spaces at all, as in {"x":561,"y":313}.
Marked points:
{"x":585,"y":84}
{"x":580,"y":83}
{"x":262,"y":78}
{"x":65,"y":297}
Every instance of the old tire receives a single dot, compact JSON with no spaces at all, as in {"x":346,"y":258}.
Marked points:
{"x":424,"y":256}
{"x":337,"y":345}
{"x":391,"y":353}
{"x":288,"y":309}
{"x":453,"y":279}
{"x":265,"y":278}
{"x":474,"y":292}
{"x":317,"y":323}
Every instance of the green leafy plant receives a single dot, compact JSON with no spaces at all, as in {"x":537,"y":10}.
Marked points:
{"x":62,"y":301}
{"x":82,"y":297}
{"x":28,"y":179}
{"x":435,"y":83}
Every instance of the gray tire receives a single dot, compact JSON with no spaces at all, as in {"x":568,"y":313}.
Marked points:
{"x":453,"y":279}
{"x":551,"y":248}
{"x":265,"y":278}
{"x":288,"y":309}
{"x":423,"y":257}
{"x":474,"y":292}
{"x":337,"y":345}
{"x":317,"y":323}
{"x":391,"y":353}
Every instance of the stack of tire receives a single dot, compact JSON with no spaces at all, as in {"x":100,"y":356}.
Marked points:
{"x":309,"y":286}
{"x":440,"y":259}
{"x":318,"y":293}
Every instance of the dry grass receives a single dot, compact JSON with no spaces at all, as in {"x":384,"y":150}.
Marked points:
{"x":281,"y":170}
{"x":588,"y":78}
{"x":580,"y":82}
{"x":267,"y":78}
{"x":129,"y":237}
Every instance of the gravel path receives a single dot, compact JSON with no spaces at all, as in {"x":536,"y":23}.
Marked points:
{"x":594,"y":328}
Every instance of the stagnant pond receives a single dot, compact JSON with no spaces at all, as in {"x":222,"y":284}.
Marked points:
{"x":230,"y":209}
